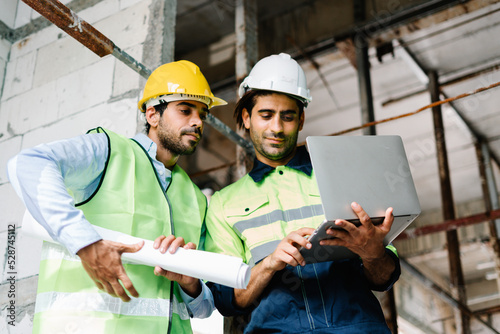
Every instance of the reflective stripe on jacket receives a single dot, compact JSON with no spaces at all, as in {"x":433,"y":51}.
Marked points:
{"x":248,"y":219}
{"x":131,"y":200}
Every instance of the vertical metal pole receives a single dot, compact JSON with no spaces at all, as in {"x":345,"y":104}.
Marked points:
{"x":361,"y":46}
{"x":456,"y":273}
{"x":490,"y":198}
{"x":368,"y":115}
{"x":490,"y":180}
{"x":246,"y":56}
{"x":364,"y":84}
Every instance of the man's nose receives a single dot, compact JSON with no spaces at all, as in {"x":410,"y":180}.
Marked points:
{"x":276,"y":124}
{"x":195,"y":120}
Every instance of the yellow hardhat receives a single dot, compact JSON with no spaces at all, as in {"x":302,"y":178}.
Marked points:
{"x":180,"y":78}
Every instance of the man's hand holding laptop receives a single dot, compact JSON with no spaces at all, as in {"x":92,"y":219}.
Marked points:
{"x":367,"y":241}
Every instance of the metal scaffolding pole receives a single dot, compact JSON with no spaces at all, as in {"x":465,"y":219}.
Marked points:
{"x":364,"y":84}
{"x":361,"y":46}
{"x":490,"y":198}
{"x":456,"y":273}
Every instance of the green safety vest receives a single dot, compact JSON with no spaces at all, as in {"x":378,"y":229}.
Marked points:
{"x":249,"y":219}
{"x":129,"y":199}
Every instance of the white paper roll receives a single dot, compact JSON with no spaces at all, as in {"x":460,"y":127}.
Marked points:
{"x":217,"y":268}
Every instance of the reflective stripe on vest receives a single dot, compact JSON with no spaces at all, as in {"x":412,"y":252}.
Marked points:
{"x":102,"y":302}
{"x":261,"y":251}
{"x":277,"y":215}
{"x":263,"y":213}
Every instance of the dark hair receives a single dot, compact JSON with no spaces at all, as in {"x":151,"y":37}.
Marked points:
{"x":249,"y":100}
{"x":159,"y":108}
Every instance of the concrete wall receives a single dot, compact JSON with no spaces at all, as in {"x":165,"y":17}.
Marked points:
{"x":55,"y":88}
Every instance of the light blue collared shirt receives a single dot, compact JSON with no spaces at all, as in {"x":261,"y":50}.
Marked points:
{"x":50,"y":178}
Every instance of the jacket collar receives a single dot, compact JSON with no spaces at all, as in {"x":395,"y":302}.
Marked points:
{"x":300,"y":161}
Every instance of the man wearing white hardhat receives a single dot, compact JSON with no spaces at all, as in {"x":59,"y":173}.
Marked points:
{"x":265,"y":217}
{"x":132,"y":186}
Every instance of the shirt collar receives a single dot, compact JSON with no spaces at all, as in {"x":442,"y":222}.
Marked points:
{"x":300,"y":161}
{"x":147,"y":144}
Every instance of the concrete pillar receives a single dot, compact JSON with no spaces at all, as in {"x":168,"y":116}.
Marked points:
{"x":246,"y":56}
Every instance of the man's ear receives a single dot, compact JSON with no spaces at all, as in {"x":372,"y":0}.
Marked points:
{"x":245,"y":115}
{"x":152,"y":116}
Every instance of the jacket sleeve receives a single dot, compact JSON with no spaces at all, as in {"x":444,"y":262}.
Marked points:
{"x":224,"y":300}
{"x":221,"y":238}
{"x":49,"y":178}
{"x":391,"y":251}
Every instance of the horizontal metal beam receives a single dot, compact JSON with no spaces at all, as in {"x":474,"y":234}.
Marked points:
{"x":449,"y":225}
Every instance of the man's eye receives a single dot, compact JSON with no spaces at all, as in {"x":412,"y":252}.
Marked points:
{"x":203,"y":117}
{"x":185,"y":111}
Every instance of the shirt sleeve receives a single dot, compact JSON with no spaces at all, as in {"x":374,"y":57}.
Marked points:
{"x":49,"y":178}
{"x":202,"y":306}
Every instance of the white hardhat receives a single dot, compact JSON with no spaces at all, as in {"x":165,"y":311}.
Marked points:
{"x":279,"y":73}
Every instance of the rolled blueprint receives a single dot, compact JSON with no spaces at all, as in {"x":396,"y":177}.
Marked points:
{"x":217,"y":268}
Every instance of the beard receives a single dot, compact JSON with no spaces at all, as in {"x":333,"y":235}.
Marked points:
{"x":274,"y":151}
{"x":173,"y":142}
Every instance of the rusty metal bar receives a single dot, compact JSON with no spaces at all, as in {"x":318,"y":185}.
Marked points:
{"x":456,"y":273}
{"x":67,"y":20}
{"x":432,"y":105}
{"x":448,"y":225}
{"x":95,"y":41}
{"x":442,"y":294}
{"x":418,"y":69}
{"x":489,"y":310}
{"x":487,"y":185}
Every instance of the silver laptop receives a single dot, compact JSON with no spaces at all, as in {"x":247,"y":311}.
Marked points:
{"x":370,"y":170}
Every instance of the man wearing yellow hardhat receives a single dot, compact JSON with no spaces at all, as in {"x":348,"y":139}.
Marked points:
{"x":265,"y":216}
{"x":132,"y":186}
